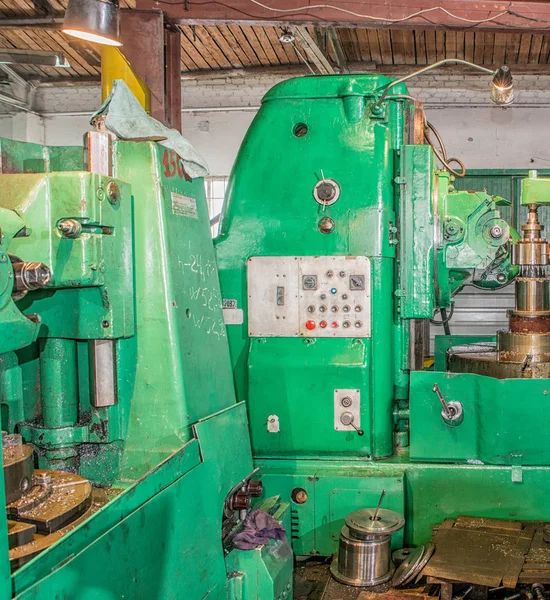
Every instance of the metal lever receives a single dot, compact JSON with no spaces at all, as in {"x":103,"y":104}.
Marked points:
{"x":452,"y":412}
{"x":346,"y":419}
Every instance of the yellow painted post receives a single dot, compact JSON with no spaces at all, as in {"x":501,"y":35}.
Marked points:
{"x":115,"y":66}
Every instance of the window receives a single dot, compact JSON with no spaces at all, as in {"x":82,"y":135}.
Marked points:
{"x":215,"y":191}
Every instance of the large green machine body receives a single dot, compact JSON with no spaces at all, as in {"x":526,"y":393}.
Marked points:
{"x":398,"y":222}
{"x":133,"y":301}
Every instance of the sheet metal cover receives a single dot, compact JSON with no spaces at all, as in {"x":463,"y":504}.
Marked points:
{"x":480,"y":551}
{"x":363,"y":522}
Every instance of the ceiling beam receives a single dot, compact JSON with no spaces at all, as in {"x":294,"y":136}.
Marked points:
{"x":314,"y":54}
{"x":32,"y":23}
{"x":336,"y":42}
{"x":524,"y":16}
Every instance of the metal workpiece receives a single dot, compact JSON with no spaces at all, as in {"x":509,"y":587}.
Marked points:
{"x":519,"y":347}
{"x":532,"y":294}
{"x":364,"y":554}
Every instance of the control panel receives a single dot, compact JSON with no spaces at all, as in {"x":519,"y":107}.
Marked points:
{"x":309,"y":296}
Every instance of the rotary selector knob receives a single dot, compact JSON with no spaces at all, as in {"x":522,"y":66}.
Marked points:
{"x":326,"y":192}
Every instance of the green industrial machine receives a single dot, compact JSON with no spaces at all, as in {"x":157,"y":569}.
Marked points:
{"x":127,"y":461}
{"x":341,"y":234}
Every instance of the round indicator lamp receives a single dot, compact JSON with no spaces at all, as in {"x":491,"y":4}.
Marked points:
{"x":333,"y":291}
{"x":323,"y":324}
{"x":311,"y":325}
{"x":335,"y":323}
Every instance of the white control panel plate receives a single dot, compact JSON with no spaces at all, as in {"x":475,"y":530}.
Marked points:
{"x":309,"y":296}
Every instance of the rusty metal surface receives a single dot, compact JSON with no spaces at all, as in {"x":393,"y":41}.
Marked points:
{"x":146,"y":60}
{"x":481,"y":551}
{"x":20,"y":533}
{"x":531,"y":323}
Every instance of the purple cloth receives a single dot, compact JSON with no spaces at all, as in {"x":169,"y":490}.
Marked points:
{"x":259,"y":528}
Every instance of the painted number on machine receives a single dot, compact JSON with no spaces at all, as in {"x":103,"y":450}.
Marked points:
{"x":184,"y":206}
{"x":172,"y":164}
{"x":229,"y":303}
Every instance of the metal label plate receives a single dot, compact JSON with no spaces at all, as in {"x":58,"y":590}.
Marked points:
{"x":309,"y":296}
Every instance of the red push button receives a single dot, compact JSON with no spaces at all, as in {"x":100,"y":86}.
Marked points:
{"x":311,"y":325}
{"x":323,"y":324}
{"x":335,"y":323}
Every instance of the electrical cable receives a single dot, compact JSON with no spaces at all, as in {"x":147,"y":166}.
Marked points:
{"x":445,"y":318}
{"x":373,"y":18}
{"x":442,"y":153}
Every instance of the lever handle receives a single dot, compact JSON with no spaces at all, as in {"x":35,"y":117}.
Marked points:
{"x":452,"y":412}
{"x":347,"y":418}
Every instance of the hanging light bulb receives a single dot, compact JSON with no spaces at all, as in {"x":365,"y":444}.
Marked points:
{"x":94,"y":20}
{"x":502,"y":88}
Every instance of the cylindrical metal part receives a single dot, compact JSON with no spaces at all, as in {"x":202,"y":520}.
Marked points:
{"x":517,"y":347}
{"x":364,"y":557}
{"x":58,"y":382}
{"x":30,"y":276}
{"x":534,"y":252}
{"x":18,"y":469}
{"x":532,"y":294}
{"x":363,"y":562}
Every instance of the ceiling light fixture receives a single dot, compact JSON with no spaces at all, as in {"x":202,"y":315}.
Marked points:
{"x":94,"y":20}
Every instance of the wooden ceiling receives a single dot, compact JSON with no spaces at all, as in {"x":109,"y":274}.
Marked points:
{"x":210,"y":48}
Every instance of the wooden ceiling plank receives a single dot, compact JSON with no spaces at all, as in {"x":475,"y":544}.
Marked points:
{"x":277,"y":45}
{"x":460,"y":45}
{"x":499,"y":55}
{"x":545,"y":50}
{"x":20,"y":39}
{"x":489,"y":49}
{"x":211,"y":47}
{"x":374,"y":46}
{"x":512,"y":48}
{"x":193,"y":40}
{"x":398,"y":49}
{"x":450,"y":44}
{"x":348,"y":45}
{"x":56,"y":39}
{"x":192,"y":52}
{"x":237,"y":48}
{"x":479,"y":42}
{"x":420,"y":47}
{"x":524,"y":47}
{"x":23,"y":70}
{"x":431,"y":53}
{"x":440,"y":44}
{"x":256,"y":46}
{"x":534,"y":51}
{"x":469,"y":45}
{"x":384,"y":41}
{"x":186,"y":60}
{"x":409,"y":48}
{"x":266,"y":45}
{"x":364,"y":45}
{"x":224,"y":47}
{"x":243,"y":42}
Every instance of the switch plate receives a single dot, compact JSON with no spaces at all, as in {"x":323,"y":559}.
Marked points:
{"x":330,"y":292}
{"x":347,"y":400}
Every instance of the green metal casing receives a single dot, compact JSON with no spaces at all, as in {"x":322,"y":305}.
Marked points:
{"x":424,"y":240}
{"x":175,"y":443}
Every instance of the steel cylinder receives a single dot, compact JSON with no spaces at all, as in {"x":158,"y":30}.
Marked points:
{"x":364,"y":562}
{"x":532,"y":294}
{"x":58,"y":382}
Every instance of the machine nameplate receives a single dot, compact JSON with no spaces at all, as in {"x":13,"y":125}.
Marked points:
{"x":184,"y":206}
{"x":309,"y":296}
